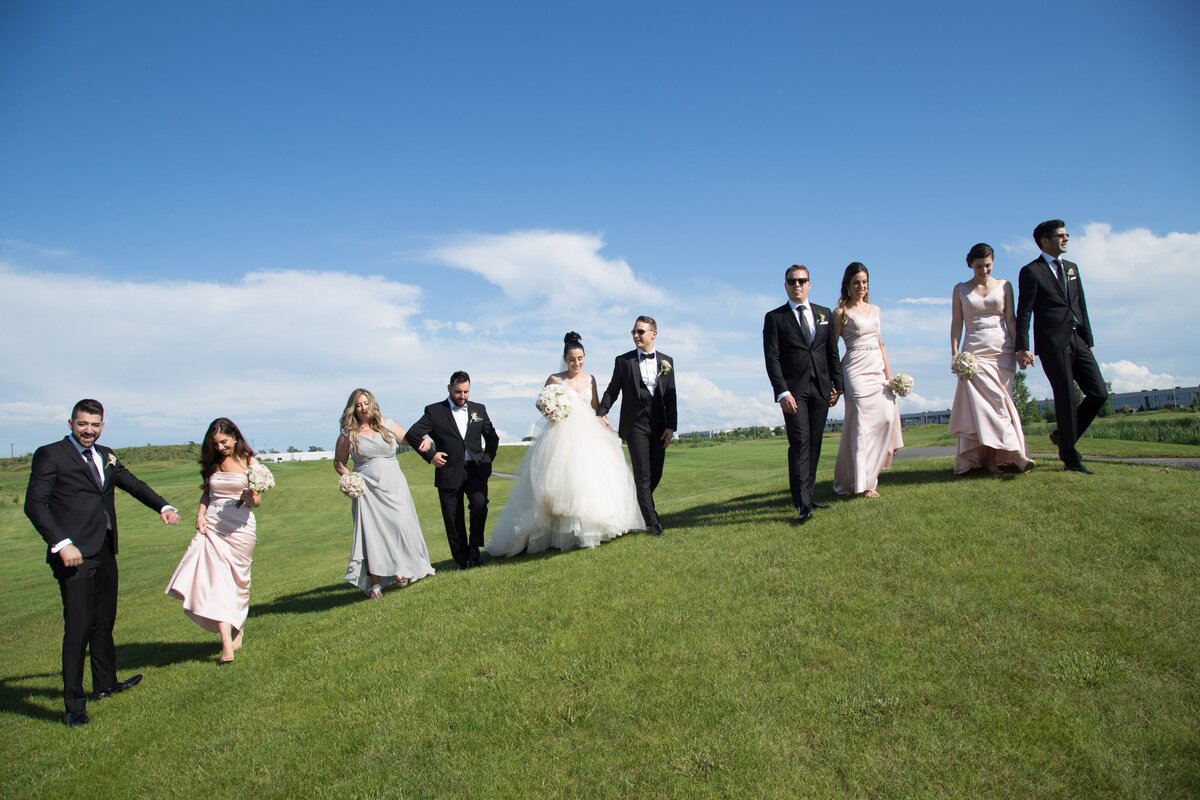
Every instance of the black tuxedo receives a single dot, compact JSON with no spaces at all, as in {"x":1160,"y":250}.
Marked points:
{"x":1062,"y":339}
{"x":64,"y":502}
{"x":644,"y":417}
{"x":465,"y":475}
{"x":809,"y":369}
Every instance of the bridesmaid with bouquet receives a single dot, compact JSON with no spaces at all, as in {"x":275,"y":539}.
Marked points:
{"x":213,"y":577}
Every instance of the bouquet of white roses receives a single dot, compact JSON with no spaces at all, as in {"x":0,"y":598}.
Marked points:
{"x":553,"y":402}
{"x":964,"y":365}
{"x":260,"y":480}
{"x":352,"y":485}
{"x":901,"y":384}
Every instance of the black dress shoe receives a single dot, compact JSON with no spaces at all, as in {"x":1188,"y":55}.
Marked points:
{"x":476,"y":558}
{"x":121,"y":686}
{"x":76,"y":718}
{"x":804,"y":514}
{"x":1078,"y":468}
{"x":1054,"y":437}
{"x":464,"y":565}
{"x":656,"y":529}
{"x":817,"y":505}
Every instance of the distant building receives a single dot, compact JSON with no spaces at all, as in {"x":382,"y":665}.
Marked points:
{"x":1152,"y":399}
{"x":279,"y":458}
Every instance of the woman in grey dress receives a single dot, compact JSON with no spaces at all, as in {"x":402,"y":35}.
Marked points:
{"x":388,"y":545}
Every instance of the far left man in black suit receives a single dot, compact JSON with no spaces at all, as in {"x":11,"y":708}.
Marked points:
{"x":70,"y":501}
{"x":464,"y":444}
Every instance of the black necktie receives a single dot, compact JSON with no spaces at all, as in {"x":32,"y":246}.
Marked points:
{"x":1062,"y":278}
{"x":804,"y":326}
{"x":87,"y":457}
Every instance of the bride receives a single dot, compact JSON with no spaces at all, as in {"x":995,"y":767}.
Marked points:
{"x":573,"y":487}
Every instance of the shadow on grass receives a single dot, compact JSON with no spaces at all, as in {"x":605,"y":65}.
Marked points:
{"x":774,"y":507}
{"x":32,"y":701}
{"x":310,"y":601}
{"x":759,"y":507}
{"x":131,"y":657}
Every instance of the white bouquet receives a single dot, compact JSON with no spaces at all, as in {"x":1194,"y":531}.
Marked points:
{"x":553,"y":402}
{"x":901,"y":384}
{"x":964,"y":365}
{"x":260,"y":480}
{"x":352,"y":485}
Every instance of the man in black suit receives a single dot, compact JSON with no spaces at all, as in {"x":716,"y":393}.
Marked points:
{"x":648,"y":412}
{"x":465,"y":443}
{"x":70,"y":501}
{"x":806,"y":379}
{"x":1051,"y":290}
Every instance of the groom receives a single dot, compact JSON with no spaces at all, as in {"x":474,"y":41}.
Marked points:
{"x":465,"y":443}
{"x":806,"y":379}
{"x":1051,"y":291}
{"x":648,"y":413}
{"x":70,"y":501}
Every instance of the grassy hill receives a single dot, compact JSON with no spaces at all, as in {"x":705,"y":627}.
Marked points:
{"x":1031,"y":636}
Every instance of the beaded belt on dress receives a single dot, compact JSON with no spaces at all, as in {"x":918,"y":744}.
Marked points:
{"x":863,"y":347}
{"x":985,"y":326}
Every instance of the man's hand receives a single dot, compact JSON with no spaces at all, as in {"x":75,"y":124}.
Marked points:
{"x":439,"y":459}
{"x":70,"y":555}
{"x":426,"y":444}
{"x":667,"y":435}
{"x":788,"y":403}
{"x":169,"y":516}
{"x":604,"y":421}
{"x":833,"y":397}
{"x":1024,"y":358}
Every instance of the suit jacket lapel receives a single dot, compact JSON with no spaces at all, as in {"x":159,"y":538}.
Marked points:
{"x":81,"y":465}
{"x":795,"y":318}
{"x":450,"y":418}
{"x":1058,"y":287}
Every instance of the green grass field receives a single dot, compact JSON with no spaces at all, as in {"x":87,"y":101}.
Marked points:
{"x":1029,"y":636}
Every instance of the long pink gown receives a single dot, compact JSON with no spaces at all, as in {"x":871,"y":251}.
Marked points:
{"x":984,"y":414}
{"x":213,"y":577}
{"x":871,"y":428}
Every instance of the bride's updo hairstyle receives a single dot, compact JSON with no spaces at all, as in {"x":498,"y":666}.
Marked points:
{"x":572,"y":341}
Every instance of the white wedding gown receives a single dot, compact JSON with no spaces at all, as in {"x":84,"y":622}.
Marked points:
{"x":573,"y":489}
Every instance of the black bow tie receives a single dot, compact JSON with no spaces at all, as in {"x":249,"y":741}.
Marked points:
{"x":645,"y":356}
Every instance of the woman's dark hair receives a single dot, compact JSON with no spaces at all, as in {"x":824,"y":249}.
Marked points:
{"x":979,"y":251}
{"x":852,"y":269}
{"x":210,"y":459}
{"x":572,"y":341}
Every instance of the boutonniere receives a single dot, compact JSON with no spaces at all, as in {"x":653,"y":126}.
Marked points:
{"x":475,"y":416}
{"x":821,"y":318}
{"x":112,"y":460}
{"x":663,"y":367}
{"x":1071,"y":273}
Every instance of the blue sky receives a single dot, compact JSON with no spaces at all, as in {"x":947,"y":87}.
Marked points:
{"x":248,"y":209}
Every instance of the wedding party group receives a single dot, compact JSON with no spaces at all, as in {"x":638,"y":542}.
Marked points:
{"x":989,"y":341}
{"x":574,"y":486}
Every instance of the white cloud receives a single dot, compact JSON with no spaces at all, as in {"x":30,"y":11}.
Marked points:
{"x":924,"y":301}
{"x":1126,"y":376}
{"x":555,"y":267}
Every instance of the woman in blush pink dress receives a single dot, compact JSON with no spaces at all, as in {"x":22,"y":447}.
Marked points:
{"x":213,"y":577}
{"x":984,"y":417}
{"x":871,"y":428}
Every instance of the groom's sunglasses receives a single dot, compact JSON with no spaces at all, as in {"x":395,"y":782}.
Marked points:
{"x":797,"y":281}
{"x":639,"y":331}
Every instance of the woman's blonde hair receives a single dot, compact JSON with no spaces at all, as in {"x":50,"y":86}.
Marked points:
{"x":349,"y":421}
